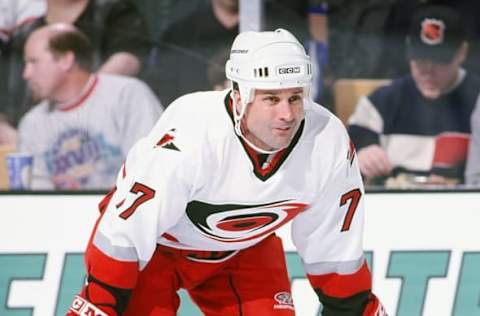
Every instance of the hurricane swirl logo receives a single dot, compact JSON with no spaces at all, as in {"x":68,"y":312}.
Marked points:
{"x":235,"y":223}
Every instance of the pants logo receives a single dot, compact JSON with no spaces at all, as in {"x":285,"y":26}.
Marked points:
{"x":284,"y":300}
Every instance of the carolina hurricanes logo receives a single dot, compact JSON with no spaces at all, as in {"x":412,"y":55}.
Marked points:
{"x":351,"y":152}
{"x":234,"y":223}
{"x":167,"y":141}
{"x":432,"y":31}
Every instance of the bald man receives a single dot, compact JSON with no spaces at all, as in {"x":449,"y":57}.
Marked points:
{"x":81,"y":131}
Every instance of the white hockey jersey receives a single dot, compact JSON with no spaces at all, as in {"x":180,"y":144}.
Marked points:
{"x":194,"y":184}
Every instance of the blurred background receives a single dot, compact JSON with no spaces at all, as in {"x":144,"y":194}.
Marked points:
{"x":410,"y":113}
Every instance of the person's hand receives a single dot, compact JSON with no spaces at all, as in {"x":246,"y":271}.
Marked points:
{"x":8,"y":134}
{"x":440,"y":180}
{"x":373,"y":161}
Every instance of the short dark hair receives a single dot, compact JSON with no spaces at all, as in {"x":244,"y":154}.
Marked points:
{"x":75,"y":41}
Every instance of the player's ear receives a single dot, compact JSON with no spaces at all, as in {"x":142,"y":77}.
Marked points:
{"x":236,"y":99}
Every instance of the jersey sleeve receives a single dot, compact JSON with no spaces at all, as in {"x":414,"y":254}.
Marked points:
{"x":150,"y":196}
{"x":329,"y":235}
{"x":365,"y":124}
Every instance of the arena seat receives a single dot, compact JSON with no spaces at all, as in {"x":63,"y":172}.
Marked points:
{"x":347,"y":92}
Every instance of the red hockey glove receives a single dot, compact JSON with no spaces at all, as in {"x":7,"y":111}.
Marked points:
{"x":374,"y":307}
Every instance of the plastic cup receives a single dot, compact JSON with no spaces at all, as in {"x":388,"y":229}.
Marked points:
{"x":19,"y":167}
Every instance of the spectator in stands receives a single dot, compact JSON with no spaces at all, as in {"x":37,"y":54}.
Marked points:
{"x":347,"y":40}
{"x":187,"y":45}
{"x":356,"y":33}
{"x":318,"y":45}
{"x":397,"y":27}
{"x":12,"y":15}
{"x":366,"y":39}
{"x":81,"y":131}
{"x":115,"y":27}
{"x":15,"y":13}
{"x":420,"y":123}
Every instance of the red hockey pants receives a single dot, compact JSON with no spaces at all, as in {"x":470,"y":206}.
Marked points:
{"x":253,"y":281}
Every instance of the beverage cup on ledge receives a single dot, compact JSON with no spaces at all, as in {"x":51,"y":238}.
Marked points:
{"x":19,"y":167}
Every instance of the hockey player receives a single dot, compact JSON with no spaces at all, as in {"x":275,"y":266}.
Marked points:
{"x":197,"y":202}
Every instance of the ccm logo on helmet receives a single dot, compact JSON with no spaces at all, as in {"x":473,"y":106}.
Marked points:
{"x":289,"y":70}
{"x":239,"y":51}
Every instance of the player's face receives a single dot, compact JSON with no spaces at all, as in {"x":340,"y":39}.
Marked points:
{"x":433,"y":78}
{"x":42,"y":71}
{"x":271,"y":120}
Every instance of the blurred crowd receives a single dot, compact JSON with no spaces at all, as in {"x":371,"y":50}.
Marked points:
{"x":82,"y":80}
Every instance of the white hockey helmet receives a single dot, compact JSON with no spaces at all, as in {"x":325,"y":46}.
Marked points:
{"x":268,"y":60}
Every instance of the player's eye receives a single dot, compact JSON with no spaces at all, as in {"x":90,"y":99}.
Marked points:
{"x":295,"y":98}
{"x":271,"y":99}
